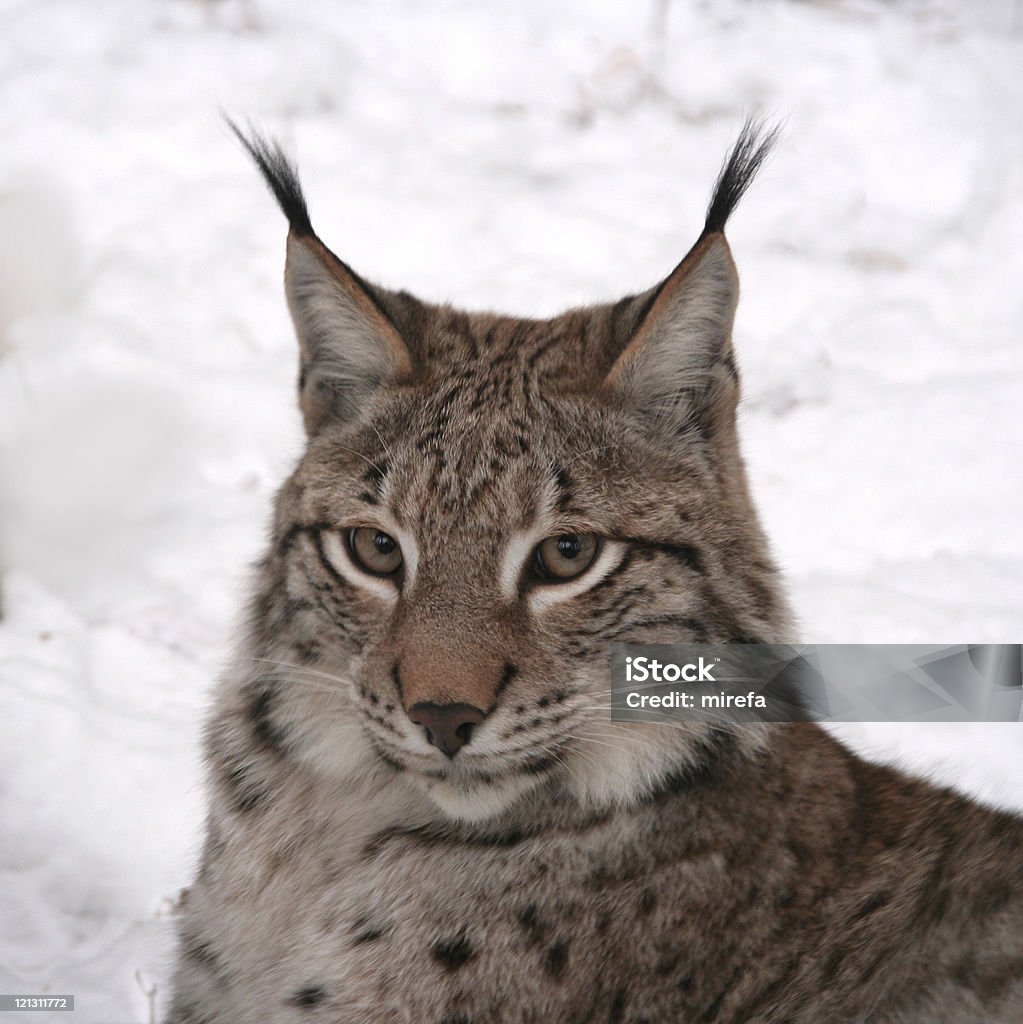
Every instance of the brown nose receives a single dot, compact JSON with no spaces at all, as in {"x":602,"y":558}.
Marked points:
{"x":448,"y":726}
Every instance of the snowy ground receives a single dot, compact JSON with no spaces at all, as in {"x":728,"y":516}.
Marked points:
{"x":523,"y":156}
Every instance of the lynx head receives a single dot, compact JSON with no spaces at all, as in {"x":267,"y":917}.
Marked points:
{"x":485,"y":505}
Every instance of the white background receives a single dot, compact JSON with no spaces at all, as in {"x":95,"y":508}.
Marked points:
{"x":524,"y":156}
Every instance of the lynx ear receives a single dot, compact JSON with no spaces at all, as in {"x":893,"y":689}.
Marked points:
{"x":349,"y":346}
{"x":677,"y":370}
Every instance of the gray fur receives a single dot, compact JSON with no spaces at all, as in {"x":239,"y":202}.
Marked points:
{"x":561,"y":868}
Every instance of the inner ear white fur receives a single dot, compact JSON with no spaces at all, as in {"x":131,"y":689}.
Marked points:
{"x":687,"y":333}
{"x":348,"y":346}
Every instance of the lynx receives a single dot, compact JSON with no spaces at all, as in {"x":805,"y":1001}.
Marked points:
{"x":419,"y":808}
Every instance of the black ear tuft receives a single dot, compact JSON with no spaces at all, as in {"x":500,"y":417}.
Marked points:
{"x":751,"y":149}
{"x":281,"y":177}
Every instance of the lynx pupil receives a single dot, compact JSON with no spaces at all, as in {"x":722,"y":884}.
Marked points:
{"x":569,"y":546}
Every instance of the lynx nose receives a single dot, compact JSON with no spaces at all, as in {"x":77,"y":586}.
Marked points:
{"x":448,"y":726}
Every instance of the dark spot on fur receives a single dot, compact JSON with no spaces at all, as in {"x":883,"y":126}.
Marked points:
{"x":603,"y":875}
{"x":873,"y":903}
{"x":618,"y":1004}
{"x":247,"y":793}
{"x":556,"y":959}
{"x":715,"y":1007}
{"x":311,"y":995}
{"x":263,"y":697}
{"x":292,"y":606}
{"x":539,"y":765}
{"x":385,"y":758}
{"x":453,"y":953}
{"x":201,"y":953}
{"x":784,"y":898}
{"x":532,"y":924}
{"x":528,"y":916}
{"x":831,"y":966}
{"x":666,"y":965}
{"x":368,"y":935}
{"x":647,"y":902}
{"x":305,"y":652}
{"x":375,"y":473}
{"x":566,"y":491}
{"x":510,"y":672}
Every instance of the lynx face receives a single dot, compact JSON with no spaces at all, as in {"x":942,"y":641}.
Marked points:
{"x":485,"y":506}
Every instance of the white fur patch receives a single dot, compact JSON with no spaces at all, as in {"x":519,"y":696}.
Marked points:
{"x":517,"y":553}
{"x":475,"y":803}
{"x":409,"y":549}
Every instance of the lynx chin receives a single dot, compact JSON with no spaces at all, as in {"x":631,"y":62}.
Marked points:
{"x":419,"y":809}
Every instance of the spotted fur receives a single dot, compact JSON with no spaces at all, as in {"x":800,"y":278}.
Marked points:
{"x":558,"y":867}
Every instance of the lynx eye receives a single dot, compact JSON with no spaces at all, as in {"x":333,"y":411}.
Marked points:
{"x":562,"y":558}
{"x":375,"y":551}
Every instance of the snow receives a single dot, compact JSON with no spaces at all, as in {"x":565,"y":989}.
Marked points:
{"x":525,"y":157}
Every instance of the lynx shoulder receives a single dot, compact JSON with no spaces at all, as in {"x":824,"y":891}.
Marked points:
{"x":419,"y":809}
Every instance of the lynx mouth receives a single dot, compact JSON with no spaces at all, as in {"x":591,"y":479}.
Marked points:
{"x":466,"y":772}
{"x":472,"y":791}
{"x":479,"y":769}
